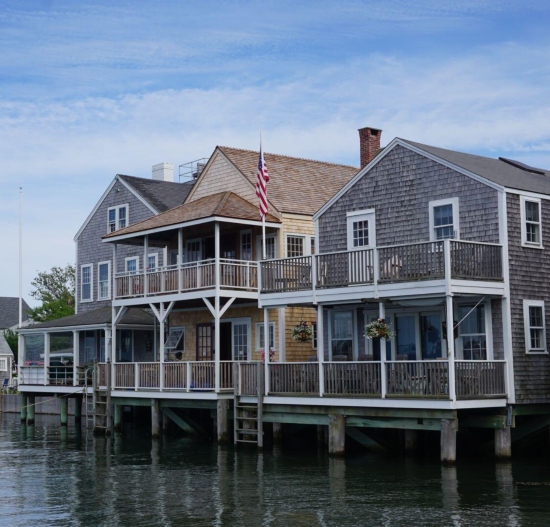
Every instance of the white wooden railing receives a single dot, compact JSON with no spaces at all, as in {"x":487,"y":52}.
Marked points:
{"x":190,"y":276}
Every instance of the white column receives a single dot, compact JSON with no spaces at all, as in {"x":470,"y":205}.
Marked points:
{"x":180,"y":259}
{"x":145,"y":265}
{"x":266,"y":350}
{"x":76,"y":357}
{"x":163,"y":316}
{"x":451,"y":347}
{"x":282,"y":333}
{"x":46,"y":357}
{"x":321,"y":349}
{"x":111,"y":357}
{"x":217,"y":343}
{"x":114,"y":271}
{"x":383,"y":346}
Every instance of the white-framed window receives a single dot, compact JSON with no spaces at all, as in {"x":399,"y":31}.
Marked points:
{"x":531,"y":225}
{"x":246,"y":245}
{"x":174,"y":257}
{"x":361,"y":229}
{"x":270,"y":246}
{"x":175,"y":340}
{"x":104,"y":280}
{"x":241,"y":339}
{"x":86,"y":278}
{"x":298,"y":245}
{"x":4,"y":364}
{"x":260,"y":335}
{"x":117,"y":217}
{"x":341,"y":335}
{"x":472,"y":332}
{"x":193,"y":250}
{"x":535,"y":326}
{"x":132,"y":264}
{"x":152,"y":261}
{"x":444,"y":219}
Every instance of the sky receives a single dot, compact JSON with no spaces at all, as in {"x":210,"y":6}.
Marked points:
{"x":90,"y":89}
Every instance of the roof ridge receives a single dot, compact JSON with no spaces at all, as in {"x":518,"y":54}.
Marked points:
{"x":223,"y":200}
{"x":288,"y":157}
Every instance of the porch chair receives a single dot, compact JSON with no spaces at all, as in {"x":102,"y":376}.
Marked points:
{"x":5,"y":385}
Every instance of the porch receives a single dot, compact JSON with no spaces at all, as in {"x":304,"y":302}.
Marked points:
{"x":416,"y":380}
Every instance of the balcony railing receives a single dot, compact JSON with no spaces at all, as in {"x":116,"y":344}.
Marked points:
{"x":190,"y":276}
{"x":396,"y":263}
{"x":427,"y":379}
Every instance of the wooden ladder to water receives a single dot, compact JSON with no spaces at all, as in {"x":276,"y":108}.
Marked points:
{"x":247,"y":413}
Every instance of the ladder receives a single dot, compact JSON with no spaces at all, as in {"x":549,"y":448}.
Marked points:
{"x":247,"y":412}
{"x":97,"y":402}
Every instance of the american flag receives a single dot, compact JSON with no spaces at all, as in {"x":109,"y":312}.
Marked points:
{"x":262,"y":178}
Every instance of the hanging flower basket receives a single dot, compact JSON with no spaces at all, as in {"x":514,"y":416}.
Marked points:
{"x":379,"y":329}
{"x":302,"y":332}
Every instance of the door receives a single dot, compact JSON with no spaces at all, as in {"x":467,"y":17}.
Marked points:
{"x":225,"y":340}
{"x":431,"y":330}
{"x":406,"y":337}
{"x":241,"y":340}
{"x":125,"y":349}
{"x":204,"y":342}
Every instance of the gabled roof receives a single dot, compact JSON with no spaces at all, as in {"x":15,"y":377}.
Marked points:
{"x":163,"y":195}
{"x":5,"y":349}
{"x":96,"y":317}
{"x":296,"y":185}
{"x":9,"y":311}
{"x":495,"y":170}
{"x":223,"y":204}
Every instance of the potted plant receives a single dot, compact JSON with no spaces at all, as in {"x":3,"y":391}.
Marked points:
{"x":302,"y":332}
{"x":379,"y":329}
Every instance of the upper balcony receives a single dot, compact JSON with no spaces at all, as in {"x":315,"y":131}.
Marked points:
{"x":399,"y":270}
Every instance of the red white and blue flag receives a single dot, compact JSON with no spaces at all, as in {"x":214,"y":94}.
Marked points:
{"x":262,"y":178}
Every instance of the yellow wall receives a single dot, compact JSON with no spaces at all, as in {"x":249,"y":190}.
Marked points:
{"x":298,"y":351}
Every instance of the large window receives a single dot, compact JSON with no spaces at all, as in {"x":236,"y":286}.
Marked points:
{"x":103,"y":280}
{"x":444,"y":219}
{"x":132,"y":265}
{"x":260,"y":335}
{"x":152,"y":261}
{"x":86,"y":273}
{"x":472,"y":333}
{"x":361,"y":229}
{"x":531,"y":228}
{"x":117,"y":218}
{"x":246,"y":245}
{"x":535,"y":326}
{"x":295,"y":245}
{"x":341,"y":335}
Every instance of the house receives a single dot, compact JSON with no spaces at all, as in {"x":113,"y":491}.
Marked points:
{"x":193,"y":266}
{"x":6,"y":362}
{"x":9,"y":312}
{"x":451,"y":250}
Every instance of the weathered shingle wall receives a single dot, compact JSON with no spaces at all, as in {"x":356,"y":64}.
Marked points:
{"x":92,"y":250}
{"x":400,"y":188}
{"x":529,"y":271}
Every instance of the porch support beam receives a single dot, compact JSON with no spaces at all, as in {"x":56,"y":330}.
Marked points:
{"x":145,"y":265}
{"x":449,"y":428}
{"x":360,"y":437}
{"x":24,"y":401}
{"x":76,"y":357}
{"x":46,"y":358}
{"x":222,"y":420}
{"x":155,"y":432}
{"x":410,"y":441}
{"x":383,"y":371}
{"x":266,"y":352}
{"x":321,"y":349}
{"x":226,"y":306}
{"x":31,"y":409}
{"x":503,"y":443}
{"x":217,"y":343}
{"x":64,"y":410}
{"x":336,"y":434}
{"x":180,"y":259}
{"x":450,"y":345}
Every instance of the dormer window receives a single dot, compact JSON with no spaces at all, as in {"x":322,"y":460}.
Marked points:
{"x":444,"y":219}
{"x":531,"y":228}
{"x":117,"y":218}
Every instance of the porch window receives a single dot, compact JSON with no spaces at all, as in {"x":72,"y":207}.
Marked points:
{"x":152,"y":261}
{"x":270,"y":247}
{"x":117,"y":218}
{"x":246,"y":245}
{"x":132,"y":265}
{"x":3,"y":364}
{"x":531,"y":222}
{"x":194,"y":250}
{"x":260,"y":335}
{"x":86,"y":272}
{"x":443,"y":218}
{"x":240,"y":341}
{"x":342,"y":335}
{"x":472,"y":333}
{"x":361,"y":229}
{"x":175,"y":340}
{"x":535,"y":326}
{"x":294,"y":245}
{"x":104,"y":280}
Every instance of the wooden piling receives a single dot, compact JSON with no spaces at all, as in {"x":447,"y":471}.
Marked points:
{"x":336,"y":434}
{"x":410,"y":441}
{"x":449,"y":428}
{"x":277,"y":433}
{"x":78,"y":409}
{"x":24,"y":402}
{"x":31,"y":399}
{"x":155,"y":418}
{"x":64,"y":410}
{"x":503,"y":443}
{"x":222,"y":421}
{"x":118,"y":418}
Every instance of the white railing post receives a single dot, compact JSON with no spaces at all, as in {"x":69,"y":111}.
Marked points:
{"x":136,"y":376}
{"x":188,"y":376}
{"x":375,"y":270}
{"x":447,"y":256}
{"x":321,"y":350}
{"x":383,"y":347}
{"x":451,"y":347}
{"x":76,"y":358}
{"x":46,"y":358}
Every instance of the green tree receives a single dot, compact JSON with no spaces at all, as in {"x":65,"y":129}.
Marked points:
{"x":13,"y":341}
{"x":55,"y":289}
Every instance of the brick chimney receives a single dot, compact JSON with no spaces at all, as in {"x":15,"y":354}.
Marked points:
{"x":369,"y":144}
{"x":163,"y":172}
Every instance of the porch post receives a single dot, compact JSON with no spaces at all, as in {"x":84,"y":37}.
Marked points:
{"x":217,"y":342}
{"x":321,"y":349}
{"x":76,"y":357}
{"x":266,"y":350}
{"x":46,"y":357}
{"x":449,"y":428}
{"x":451,"y":347}
{"x":114,"y":267}
{"x":383,"y":346}
{"x":111,"y":356}
{"x":161,"y":343}
{"x":145,"y":265}
{"x":180,"y":259}
{"x":503,"y":443}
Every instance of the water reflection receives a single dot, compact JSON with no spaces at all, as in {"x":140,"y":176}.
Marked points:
{"x":67,"y":477}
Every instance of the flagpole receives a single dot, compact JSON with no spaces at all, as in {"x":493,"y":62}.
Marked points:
{"x":20,"y":256}
{"x":264,"y":253}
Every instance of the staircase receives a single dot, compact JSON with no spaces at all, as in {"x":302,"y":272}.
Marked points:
{"x":248,"y":413}
{"x":97,"y":403}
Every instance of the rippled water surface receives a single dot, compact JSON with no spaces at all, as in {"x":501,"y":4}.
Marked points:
{"x":64,"y":477}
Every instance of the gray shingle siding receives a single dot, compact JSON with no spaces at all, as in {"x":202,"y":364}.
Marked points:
{"x":400,"y":188}
{"x":529,"y":269}
{"x":91,"y":249}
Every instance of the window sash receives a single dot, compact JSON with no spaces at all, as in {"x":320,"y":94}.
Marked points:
{"x":361,"y":233}
{"x":86,"y":283}
{"x":103,"y":280}
{"x":295,"y":246}
{"x":260,"y":330}
{"x":174,"y":338}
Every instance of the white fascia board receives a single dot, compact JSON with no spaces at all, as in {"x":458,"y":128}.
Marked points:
{"x":94,"y":210}
{"x":151,"y":394}
{"x":138,"y":196}
{"x":527,"y":194}
{"x":63,"y":329}
{"x":405,"y":144}
{"x":192,"y":223}
{"x":33,"y":388}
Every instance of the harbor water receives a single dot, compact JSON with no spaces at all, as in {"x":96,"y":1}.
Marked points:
{"x":67,"y":477}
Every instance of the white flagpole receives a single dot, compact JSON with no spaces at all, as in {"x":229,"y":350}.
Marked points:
{"x":264,"y":253}
{"x":20,"y":256}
